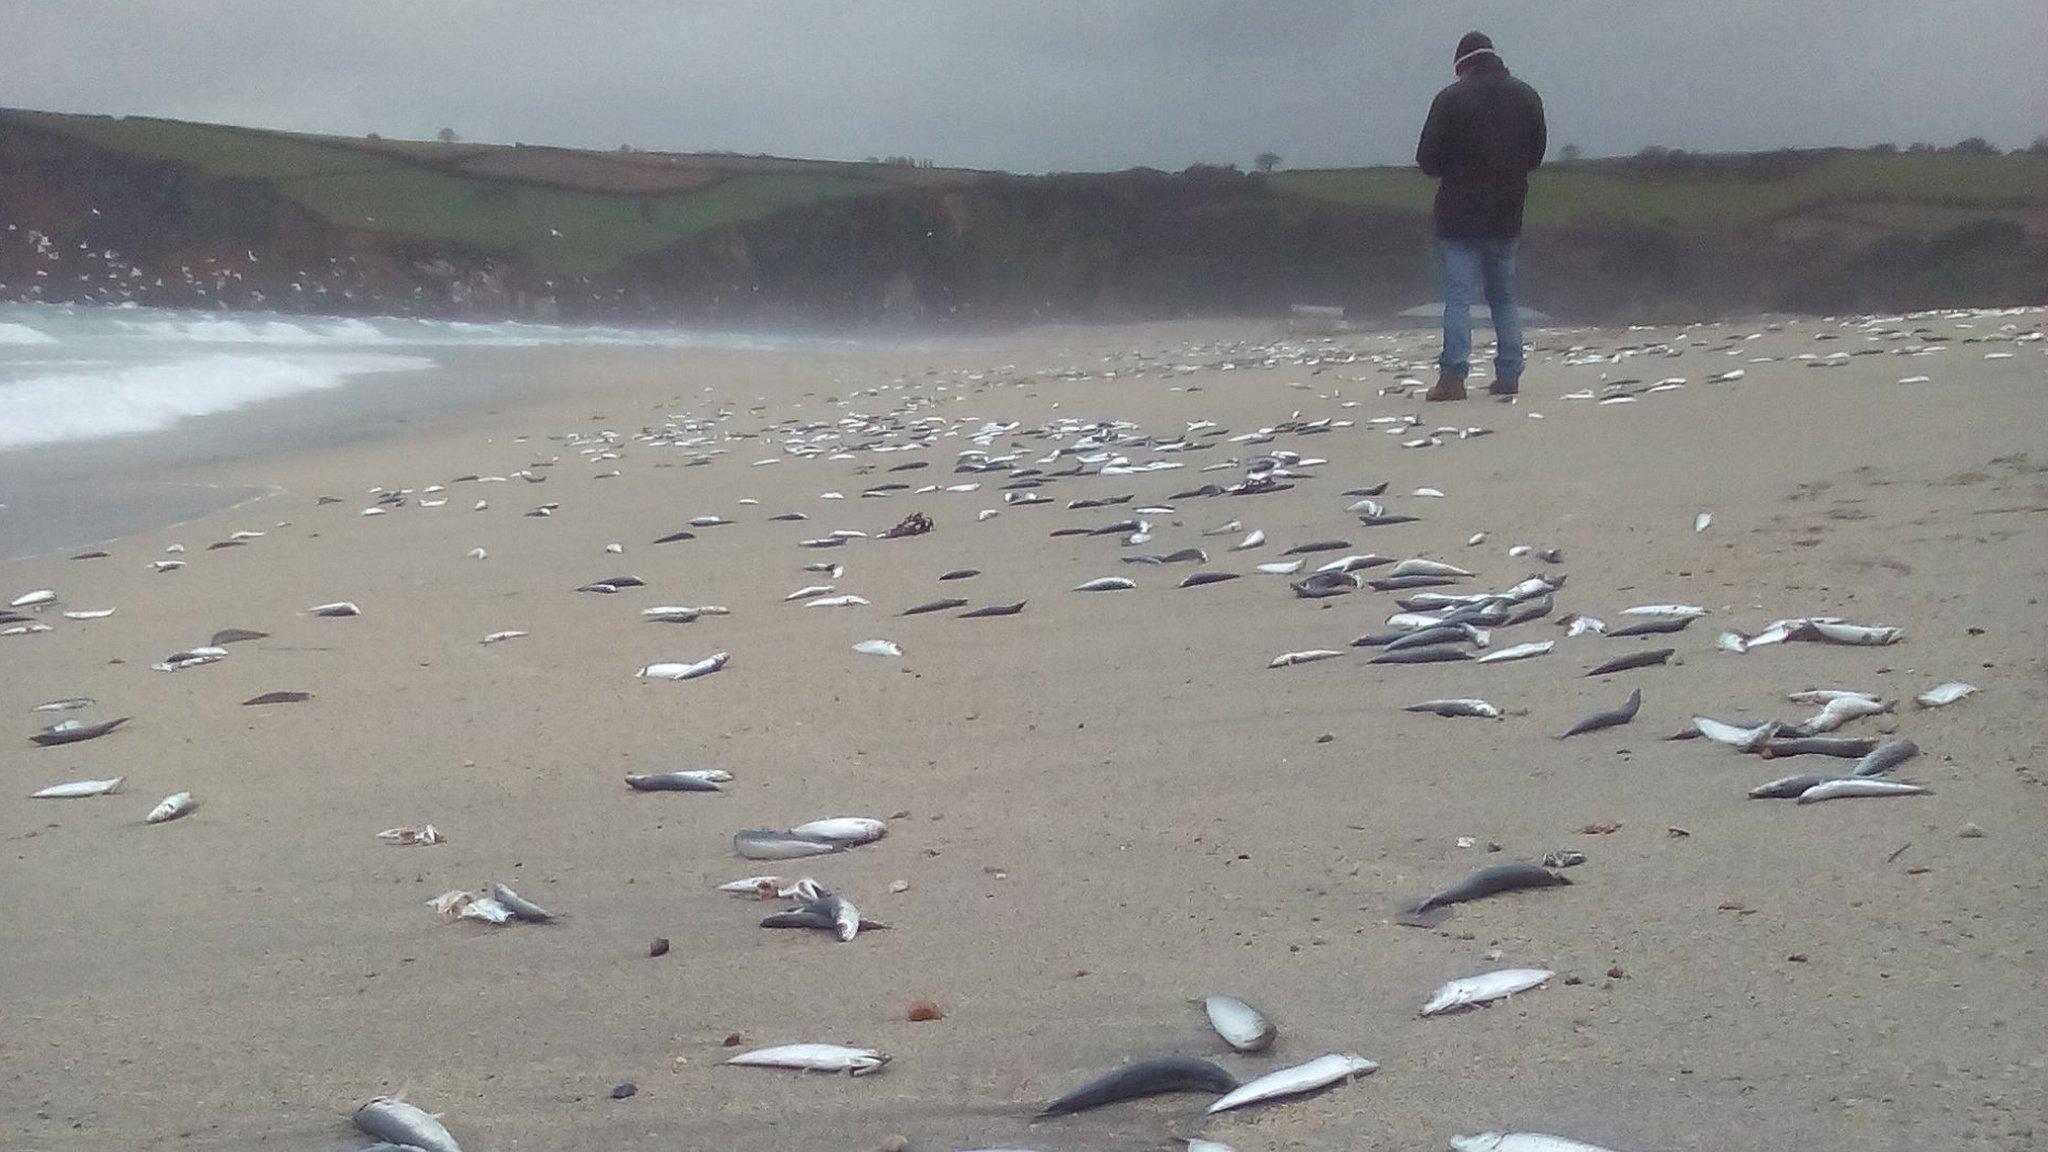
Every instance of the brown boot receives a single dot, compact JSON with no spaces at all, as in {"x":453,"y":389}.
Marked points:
{"x":1449,"y":386}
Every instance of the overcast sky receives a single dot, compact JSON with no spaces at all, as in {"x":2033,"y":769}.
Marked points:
{"x":1035,"y":85}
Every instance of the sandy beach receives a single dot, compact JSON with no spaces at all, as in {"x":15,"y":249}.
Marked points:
{"x":1100,"y":809}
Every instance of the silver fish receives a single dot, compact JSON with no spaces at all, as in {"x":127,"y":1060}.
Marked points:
{"x":1942,"y":694}
{"x":704,"y":667}
{"x":814,"y":1058}
{"x":1241,"y":1026}
{"x":1317,"y":1073}
{"x":1523,"y":1141}
{"x":392,"y":1118}
{"x":173,"y":806}
{"x":1860,"y":786}
{"x":1473,"y":990}
{"x":78,"y":788}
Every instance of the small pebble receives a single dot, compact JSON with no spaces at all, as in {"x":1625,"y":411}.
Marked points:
{"x":1797,"y":958}
{"x":1971,"y":832}
{"x":899,"y":885}
{"x":924,"y":1010}
{"x":659,"y":947}
{"x":622,"y":1091}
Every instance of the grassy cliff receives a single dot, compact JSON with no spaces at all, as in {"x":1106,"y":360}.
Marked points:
{"x":179,"y":213}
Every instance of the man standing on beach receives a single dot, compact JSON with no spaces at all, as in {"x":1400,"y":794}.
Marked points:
{"x":1485,"y":134}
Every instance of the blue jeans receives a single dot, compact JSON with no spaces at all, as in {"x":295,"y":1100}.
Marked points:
{"x":1470,"y":265}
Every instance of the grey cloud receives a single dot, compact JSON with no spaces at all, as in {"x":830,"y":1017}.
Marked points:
{"x":1057,"y":84}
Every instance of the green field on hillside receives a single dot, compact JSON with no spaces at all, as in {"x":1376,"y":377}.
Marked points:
{"x":559,"y":231}
{"x":422,"y":191}
{"x":1561,"y":194}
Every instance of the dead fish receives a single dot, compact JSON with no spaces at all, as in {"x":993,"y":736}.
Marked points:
{"x":191,"y":657}
{"x":1577,"y":625}
{"x":769,"y":844}
{"x":501,"y":637}
{"x":1241,"y":1026}
{"x":1789,"y":787}
{"x":1742,"y":739}
{"x":814,"y":1058}
{"x":1837,"y":746}
{"x":1664,"y":610}
{"x":1481,"y":884}
{"x":1519,"y":652}
{"x":1308,"y":656}
{"x":1105,"y":584}
{"x":960,"y":574}
{"x":673,"y":537}
{"x":1475,"y":990}
{"x":878,"y":648}
{"x":1433,"y":654}
{"x":173,"y":806}
{"x":935,"y":606}
{"x":520,"y":907}
{"x":704,"y":667}
{"x":1849,"y":786}
{"x":72,"y":732}
{"x":1885,"y":757}
{"x":1388,"y":519}
{"x":68,"y":704}
{"x":1282,"y":567}
{"x":1655,"y":626}
{"x":338,"y":608}
{"x":390,"y":1118}
{"x":1144,"y":1078}
{"x":704,"y":780}
{"x":1609,"y":718}
{"x":1842,"y":633}
{"x":843,"y":830}
{"x":1460,"y":707}
{"x":1417,"y":566}
{"x":1322,"y":585}
{"x":1642,"y":659}
{"x":1406,"y":583}
{"x":993,"y":610}
{"x":1317,"y":1073}
{"x":1523,"y":1141}
{"x":1253,"y":539}
{"x":33,"y":599}
{"x":1316,"y":546}
{"x":78,"y":788}
{"x":1942,"y":694}
{"x":235,"y":636}
{"x":406,"y":837}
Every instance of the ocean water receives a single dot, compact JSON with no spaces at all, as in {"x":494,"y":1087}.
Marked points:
{"x":86,"y":373}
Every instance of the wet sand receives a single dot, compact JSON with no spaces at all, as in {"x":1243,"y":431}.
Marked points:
{"x":1103,"y":807}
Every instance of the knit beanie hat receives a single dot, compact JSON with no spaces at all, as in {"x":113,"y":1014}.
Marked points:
{"x":1475,"y":44}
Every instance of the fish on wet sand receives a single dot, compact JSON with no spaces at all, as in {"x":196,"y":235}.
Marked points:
{"x":769,"y":844}
{"x":694,"y":780}
{"x":77,"y":789}
{"x":1853,"y":786}
{"x":1944,"y":694}
{"x":1519,"y":652}
{"x":1608,"y":719}
{"x":1524,"y":1141}
{"x":73,"y":732}
{"x":1306,"y":656}
{"x":1242,"y":1026}
{"x":1644,"y":659}
{"x":1479,"y":885}
{"x":677,"y":671}
{"x":814,"y":1058}
{"x":1468,"y":706}
{"x":171,"y":807}
{"x":1317,"y":1073}
{"x":1475,"y":990}
{"x":392,"y":1119}
{"x":1144,"y":1078}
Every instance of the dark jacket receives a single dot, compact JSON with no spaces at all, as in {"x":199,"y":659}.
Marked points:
{"x":1484,"y":136}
